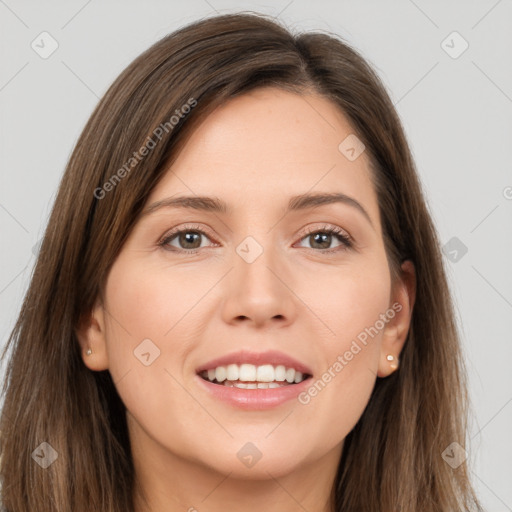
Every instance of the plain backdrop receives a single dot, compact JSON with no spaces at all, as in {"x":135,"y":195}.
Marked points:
{"x":448,"y":69}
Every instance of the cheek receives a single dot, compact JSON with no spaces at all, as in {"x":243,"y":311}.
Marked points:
{"x":152,"y":325}
{"x":153,"y":303}
{"x":349,"y":300}
{"x":155,"y":319}
{"x":355,"y":311}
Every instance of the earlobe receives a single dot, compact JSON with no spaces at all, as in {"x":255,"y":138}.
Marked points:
{"x":391,"y":347}
{"x":91,"y":337}
{"x":395,"y":333}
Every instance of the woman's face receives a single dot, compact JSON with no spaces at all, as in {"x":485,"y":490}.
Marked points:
{"x":261,"y":282}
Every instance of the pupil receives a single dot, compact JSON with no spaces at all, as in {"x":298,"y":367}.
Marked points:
{"x":326,"y":239}
{"x":187,"y":238}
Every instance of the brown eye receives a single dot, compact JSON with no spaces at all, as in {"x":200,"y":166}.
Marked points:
{"x":187,"y":239}
{"x":323,"y":238}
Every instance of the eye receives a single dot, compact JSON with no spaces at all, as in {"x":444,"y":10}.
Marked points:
{"x":322,"y":239}
{"x":187,"y":238}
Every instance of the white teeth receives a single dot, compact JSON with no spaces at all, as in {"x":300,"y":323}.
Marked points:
{"x":265,"y":373}
{"x":232,"y":372}
{"x":220,"y":373}
{"x":248,"y":376}
{"x":290,"y":375}
{"x":280,"y":373}
{"x":260,"y":385}
{"x":247,"y":372}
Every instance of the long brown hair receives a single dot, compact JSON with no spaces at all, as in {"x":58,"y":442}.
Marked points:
{"x":392,"y":459}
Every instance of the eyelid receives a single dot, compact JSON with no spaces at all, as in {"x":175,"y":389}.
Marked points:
{"x":186,"y":227}
{"x":309,"y":230}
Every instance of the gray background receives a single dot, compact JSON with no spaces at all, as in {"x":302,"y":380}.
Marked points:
{"x":456,"y":110}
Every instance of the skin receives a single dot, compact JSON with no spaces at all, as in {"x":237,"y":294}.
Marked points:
{"x":254,"y":152}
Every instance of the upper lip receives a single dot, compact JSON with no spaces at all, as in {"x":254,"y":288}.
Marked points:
{"x":273,"y":357}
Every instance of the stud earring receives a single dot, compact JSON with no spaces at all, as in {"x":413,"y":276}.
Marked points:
{"x":391,"y":358}
{"x":89,"y":352}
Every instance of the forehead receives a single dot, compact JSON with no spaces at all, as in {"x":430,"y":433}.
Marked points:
{"x":265,"y":146}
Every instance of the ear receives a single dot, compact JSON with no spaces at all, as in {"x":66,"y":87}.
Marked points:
{"x":395,"y":333}
{"x":91,"y":335}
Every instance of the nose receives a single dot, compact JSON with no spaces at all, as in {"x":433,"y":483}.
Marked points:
{"x":259,"y":293}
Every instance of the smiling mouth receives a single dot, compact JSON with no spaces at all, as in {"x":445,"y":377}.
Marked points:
{"x":249,"y":376}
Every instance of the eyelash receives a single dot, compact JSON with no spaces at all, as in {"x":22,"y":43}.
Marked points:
{"x":331,"y":230}
{"x":345,"y":239}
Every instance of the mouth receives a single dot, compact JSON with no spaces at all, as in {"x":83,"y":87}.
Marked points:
{"x":250,"y":376}
{"x":254,"y":380}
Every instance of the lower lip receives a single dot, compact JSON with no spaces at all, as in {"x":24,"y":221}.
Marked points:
{"x":254,"y":399}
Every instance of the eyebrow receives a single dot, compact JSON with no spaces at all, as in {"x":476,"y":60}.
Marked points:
{"x":296,"y":203}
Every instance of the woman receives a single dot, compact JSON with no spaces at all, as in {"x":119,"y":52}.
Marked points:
{"x":240,"y":298}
